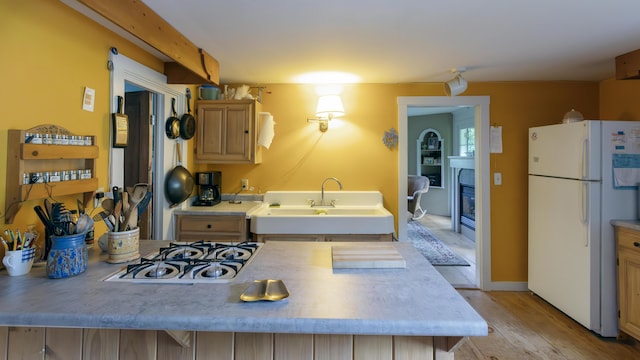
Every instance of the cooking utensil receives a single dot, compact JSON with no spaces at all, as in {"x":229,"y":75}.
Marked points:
{"x":108,"y":205}
{"x":84,"y":224}
{"x":120,"y":126}
{"x":80,"y":207}
{"x":116,"y":215}
{"x":178,"y":183}
{"x":172,"y":126}
{"x":105,"y":217}
{"x":187,"y":122}
{"x":142,"y":206}
{"x":137,"y":195}
{"x":51,"y":228}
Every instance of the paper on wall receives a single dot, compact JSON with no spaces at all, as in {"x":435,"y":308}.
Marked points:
{"x":496,"y":140}
{"x":267,"y":131}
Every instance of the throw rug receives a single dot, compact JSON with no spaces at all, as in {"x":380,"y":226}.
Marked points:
{"x":431,"y":247}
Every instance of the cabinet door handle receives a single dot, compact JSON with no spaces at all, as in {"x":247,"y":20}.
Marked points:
{"x":208,"y":226}
{"x":636,"y":244}
{"x":246,"y":131}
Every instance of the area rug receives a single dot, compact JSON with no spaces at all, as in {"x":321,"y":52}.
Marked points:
{"x":431,"y":247}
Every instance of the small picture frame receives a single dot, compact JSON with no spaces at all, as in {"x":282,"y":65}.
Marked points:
{"x":432,"y":143}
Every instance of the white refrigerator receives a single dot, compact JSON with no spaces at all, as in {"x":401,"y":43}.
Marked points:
{"x":581,"y":176}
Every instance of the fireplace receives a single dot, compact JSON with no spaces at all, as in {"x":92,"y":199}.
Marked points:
{"x":467,"y":198}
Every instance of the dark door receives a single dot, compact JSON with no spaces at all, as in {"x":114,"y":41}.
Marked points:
{"x":138,"y":154}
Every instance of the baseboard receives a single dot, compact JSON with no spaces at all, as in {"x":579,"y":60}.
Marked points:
{"x":507,"y":286}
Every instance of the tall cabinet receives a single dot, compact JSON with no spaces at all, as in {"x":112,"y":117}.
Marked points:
{"x":430,"y":157}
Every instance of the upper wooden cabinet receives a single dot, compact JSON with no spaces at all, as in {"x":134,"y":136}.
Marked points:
{"x":227,"y":132}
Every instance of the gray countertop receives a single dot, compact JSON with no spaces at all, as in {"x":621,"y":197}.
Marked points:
{"x":629,"y":224}
{"x":223,"y":208}
{"x":416,"y":300}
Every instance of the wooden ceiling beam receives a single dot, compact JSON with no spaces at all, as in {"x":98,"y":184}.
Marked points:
{"x":191,"y":65}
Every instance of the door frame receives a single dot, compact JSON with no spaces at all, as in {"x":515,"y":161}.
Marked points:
{"x":482,"y":174}
{"x":128,"y":70}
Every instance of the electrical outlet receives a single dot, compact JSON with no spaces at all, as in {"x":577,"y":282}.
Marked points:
{"x":244,"y":184}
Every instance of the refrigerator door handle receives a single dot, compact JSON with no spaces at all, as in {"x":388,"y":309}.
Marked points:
{"x":585,"y":160}
{"x":585,"y":205}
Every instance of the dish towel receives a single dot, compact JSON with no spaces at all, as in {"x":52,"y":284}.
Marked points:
{"x":267,"y":131}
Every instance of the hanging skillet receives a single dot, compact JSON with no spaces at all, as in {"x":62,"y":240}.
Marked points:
{"x":179,"y":182}
{"x":172,"y":126}
{"x":187,"y":122}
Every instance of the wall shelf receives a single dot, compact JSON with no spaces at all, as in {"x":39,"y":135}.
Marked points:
{"x":431,"y":161}
{"x":30,"y":158}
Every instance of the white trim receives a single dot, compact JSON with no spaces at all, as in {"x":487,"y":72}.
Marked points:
{"x":127,"y":70}
{"x":483,"y":217}
{"x":508,"y":286}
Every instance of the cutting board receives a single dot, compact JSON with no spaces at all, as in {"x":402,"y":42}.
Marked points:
{"x":366,"y":257}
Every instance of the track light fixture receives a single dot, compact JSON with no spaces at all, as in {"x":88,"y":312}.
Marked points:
{"x":457,"y":85}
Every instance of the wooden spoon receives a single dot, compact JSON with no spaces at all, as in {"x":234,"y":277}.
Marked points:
{"x":139,"y":192}
{"x":108,"y":205}
{"x":116,"y":214}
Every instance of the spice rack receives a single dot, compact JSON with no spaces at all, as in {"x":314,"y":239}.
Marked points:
{"x":31,"y":158}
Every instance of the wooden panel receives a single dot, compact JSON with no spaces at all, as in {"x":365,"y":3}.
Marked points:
{"x":4,"y":339}
{"x":440,"y":351}
{"x":412,"y":347}
{"x":288,"y":237}
{"x":367,"y":347}
{"x":333,"y":347}
{"x":293,"y":346}
{"x":237,"y":133}
{"x":138,"y":344}
{"x":142,"y":22}
{"x":629,"y":291}
{"x":63,"y":344}
{"x":170,"y":349}
{"x":216,"y":223}
{"x":255,"y":346}
{"x":628,"y":65}
{"x":38,"y":191}
{"x":101,"y":344}
{"x":214,"y":345}
{"x":366,"y":257}
{"x":358,"y":237}
{"x":26,"y":343}
{"x":54,"y":152}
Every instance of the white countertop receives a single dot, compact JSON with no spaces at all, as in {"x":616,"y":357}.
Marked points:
{"x":415,"y":300}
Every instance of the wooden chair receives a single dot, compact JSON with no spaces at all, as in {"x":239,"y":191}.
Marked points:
{"x":417,"y":186}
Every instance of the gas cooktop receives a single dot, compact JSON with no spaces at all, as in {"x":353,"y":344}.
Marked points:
{"x":189,"y":263}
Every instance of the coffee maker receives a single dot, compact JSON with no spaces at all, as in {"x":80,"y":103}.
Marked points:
{"x":209,"y":187}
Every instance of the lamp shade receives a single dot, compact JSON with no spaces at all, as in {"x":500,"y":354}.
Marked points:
{"x":329,"y":105}
{"x":455,"y":86}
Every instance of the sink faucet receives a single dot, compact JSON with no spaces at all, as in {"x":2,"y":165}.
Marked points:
{"x":333,"y":204}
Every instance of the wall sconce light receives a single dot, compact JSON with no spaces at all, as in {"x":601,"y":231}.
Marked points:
{"x":329,"y":106}
{"x":457,"y":85}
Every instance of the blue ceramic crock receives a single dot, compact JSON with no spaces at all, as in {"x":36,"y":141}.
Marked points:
{"x":68,"y":256}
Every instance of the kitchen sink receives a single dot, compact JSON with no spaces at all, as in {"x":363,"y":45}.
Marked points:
{"x":291,"y":212}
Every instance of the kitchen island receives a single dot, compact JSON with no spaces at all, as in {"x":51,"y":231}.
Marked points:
{"x":331,"y":313}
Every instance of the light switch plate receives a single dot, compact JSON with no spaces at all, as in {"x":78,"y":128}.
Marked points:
{"x":497,"y":178}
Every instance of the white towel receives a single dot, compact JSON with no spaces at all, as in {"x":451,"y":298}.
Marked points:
{"x":267,"y":132}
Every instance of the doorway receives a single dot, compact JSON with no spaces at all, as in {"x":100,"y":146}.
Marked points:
{"x":482,"y":176}
{"x":138,"y":155}
{"x":126,"y":72}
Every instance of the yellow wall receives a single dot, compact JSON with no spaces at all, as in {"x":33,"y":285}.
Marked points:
{"x":51,"y":53}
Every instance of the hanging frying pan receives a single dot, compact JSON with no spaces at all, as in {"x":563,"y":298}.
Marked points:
{"x":179,"y":183}
{"x":172,"y":126}
{"x":187,"y":122}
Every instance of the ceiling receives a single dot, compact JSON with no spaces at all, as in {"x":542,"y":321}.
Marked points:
{"x":408,"y":41}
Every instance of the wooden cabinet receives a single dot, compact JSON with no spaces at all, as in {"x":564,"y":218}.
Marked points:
{"x":222,"y":228}
{"x":227,"y":132}
{"x":628,"y":252}
{"x":28,"y":158}
{"x":322,"y":237}
{"x":430,"y":159}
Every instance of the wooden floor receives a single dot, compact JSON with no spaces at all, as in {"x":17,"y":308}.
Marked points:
{"x":523,"y":326}
{"x":458,"y":276}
